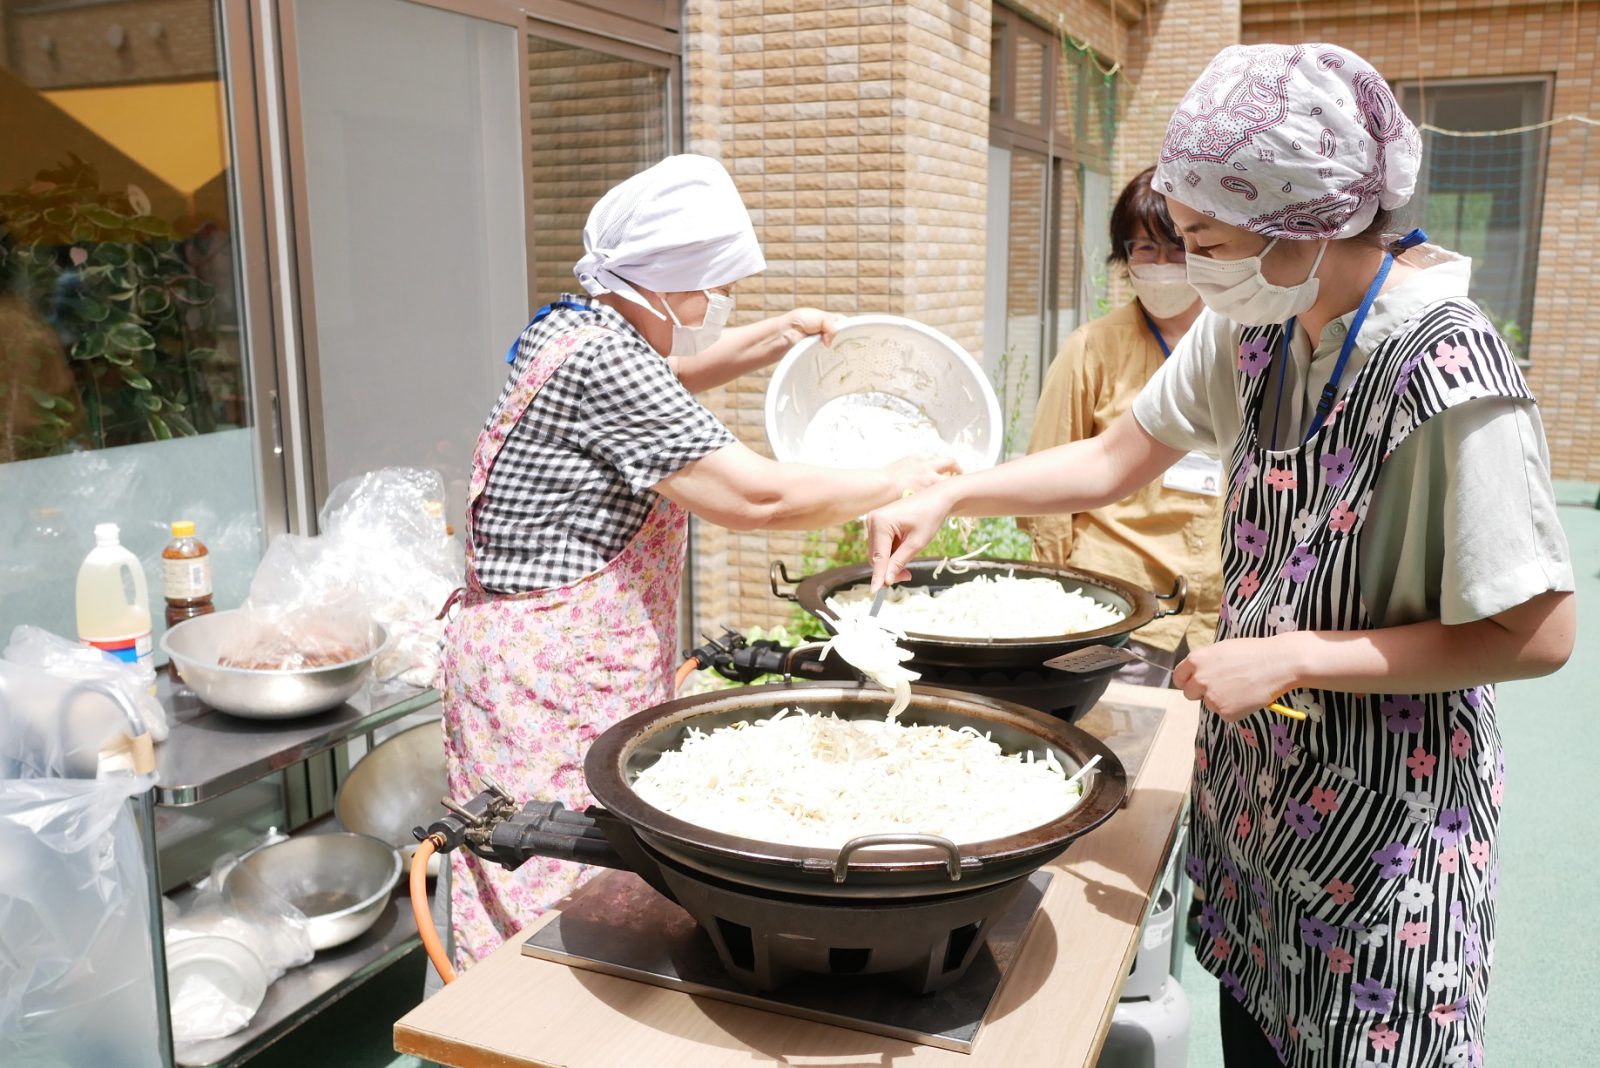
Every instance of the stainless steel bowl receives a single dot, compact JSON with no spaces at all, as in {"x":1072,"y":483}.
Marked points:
{"x":340,"y":880}
{"x":195,"y":646}
{"x":887,"y":354}
{"x":396,"y":787}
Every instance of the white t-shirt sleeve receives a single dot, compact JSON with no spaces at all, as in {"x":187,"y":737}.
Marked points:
{"x":1503,"y":539}
{"x":1463,"y":524}
{"x":1190,"y":402}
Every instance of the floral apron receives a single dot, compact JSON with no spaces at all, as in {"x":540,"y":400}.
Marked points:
{"x":1348,"y":861}
{"x":530,"y":679}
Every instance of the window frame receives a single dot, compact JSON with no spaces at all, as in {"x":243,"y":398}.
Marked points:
{"x":1528,"y":251}
{"x":1064,"y":158}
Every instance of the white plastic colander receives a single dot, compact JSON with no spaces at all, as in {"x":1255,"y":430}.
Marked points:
{"x":885,"y":354}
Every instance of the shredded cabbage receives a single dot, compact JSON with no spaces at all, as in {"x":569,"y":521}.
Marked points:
{"x":805,"y":779}
{"x":985,"y":606}
{"x":866,"y":644}
{"x":875,"y":429}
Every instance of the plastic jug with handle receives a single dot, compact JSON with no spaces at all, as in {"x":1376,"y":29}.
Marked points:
{"x":113,"y":600}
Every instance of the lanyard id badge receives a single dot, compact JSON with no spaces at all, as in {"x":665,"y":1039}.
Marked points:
{"x":1195,"y":473}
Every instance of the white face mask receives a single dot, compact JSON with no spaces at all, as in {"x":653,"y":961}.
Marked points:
{"x":1237,"y":290}
{"x":1163,"y":288}
{"x":688,"y":340}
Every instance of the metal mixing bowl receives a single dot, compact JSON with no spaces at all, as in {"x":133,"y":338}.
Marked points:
{"x":341,"y":880}
{"x":885,"y":354}
{"x":396,"y":787}
{"x":195,"y":646}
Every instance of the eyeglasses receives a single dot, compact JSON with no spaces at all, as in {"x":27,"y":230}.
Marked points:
{"x":1143,"y":250}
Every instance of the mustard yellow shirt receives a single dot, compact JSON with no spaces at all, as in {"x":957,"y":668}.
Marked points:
{"x":1156,"y":534}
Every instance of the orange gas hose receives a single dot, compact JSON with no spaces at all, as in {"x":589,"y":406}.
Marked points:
{"x":420,"y":912}
{"x":685,"y":669}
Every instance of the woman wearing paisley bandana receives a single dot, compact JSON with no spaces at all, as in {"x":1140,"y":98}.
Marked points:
{"x":1390,"y":551}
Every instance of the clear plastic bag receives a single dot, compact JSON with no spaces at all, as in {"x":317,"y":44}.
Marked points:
{"x":77,"y":982}
{"x":383,"y":555}
{"x":66,"y":659}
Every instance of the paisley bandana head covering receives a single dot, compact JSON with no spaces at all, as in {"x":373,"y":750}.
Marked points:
{"x":1303,"y":142}
{"x":677,"y":227}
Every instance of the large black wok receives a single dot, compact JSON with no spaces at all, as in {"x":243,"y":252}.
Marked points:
{"x":622,"y":752}
{"x":1139,"y":606}
{"x":917,"y":907}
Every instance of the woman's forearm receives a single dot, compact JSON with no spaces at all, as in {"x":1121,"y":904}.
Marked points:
{"x":812,"y":498}
{"x":1528,"y":641}
{"x":1074,"y":477}
{"x":740,"y":350}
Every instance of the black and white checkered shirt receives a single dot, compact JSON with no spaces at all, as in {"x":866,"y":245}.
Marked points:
{"x":572,"y":484}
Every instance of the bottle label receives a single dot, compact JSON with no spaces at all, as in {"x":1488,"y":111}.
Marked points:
{"x":186,"y":580}
{"x":135,"y":650}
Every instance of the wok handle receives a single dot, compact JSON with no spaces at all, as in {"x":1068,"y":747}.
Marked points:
{"x":954,"y":862}
{"x":1180,"y":593}
{"x":777,"y":577}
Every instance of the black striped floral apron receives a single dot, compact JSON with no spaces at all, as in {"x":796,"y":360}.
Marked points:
{"x":1348,"y":861}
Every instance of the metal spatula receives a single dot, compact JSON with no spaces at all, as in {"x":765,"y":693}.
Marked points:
{"x":1093,"y":659}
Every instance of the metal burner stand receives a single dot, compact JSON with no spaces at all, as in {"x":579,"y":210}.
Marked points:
{"x":617,"y":925}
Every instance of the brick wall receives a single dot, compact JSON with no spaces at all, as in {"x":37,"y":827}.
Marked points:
{"x":1165,"y":56}
{"x":1480,"y":39}
{"x":858,"y":134}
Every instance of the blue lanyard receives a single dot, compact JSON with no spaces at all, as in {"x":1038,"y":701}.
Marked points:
{"x":570,"y":305}
{"x":1151,"y":323}
{"x":1331,"y":390}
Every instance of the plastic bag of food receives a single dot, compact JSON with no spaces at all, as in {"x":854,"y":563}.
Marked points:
{"x":66,"y":659}
{"x":383,"y":556}
{"x":390,"y":526}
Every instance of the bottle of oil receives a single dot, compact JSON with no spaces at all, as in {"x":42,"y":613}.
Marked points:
{"x":186,"y":575}
{"x":112,"y":600}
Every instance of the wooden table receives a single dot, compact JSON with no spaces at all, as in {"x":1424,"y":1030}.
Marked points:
{"x":1054,"y":1008}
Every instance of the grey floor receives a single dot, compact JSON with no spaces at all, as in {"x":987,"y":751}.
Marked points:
{"x":1547,"y":957}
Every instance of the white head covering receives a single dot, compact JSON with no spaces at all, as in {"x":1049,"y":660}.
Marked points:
{"x":677,"y":227}
{"x":1304,"y":142}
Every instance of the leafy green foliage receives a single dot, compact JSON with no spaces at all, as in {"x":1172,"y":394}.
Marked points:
{"x":136,"y":324}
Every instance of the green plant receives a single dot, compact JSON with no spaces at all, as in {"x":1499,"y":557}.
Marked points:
{"x":135,"y":323}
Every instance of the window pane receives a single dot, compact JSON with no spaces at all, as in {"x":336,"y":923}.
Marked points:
{"x":413,"y":173}
{"x":1029,"y":87}
{"x":1026,"y":277}
{"x":1480,"y":196}
{"x":122,"y":369}
{"x":597,"y":120}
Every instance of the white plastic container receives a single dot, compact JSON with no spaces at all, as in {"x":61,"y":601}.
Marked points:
{"x":113,"y":600}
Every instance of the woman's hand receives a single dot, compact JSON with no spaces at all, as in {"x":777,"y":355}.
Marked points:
{"x":805,"y":322}
{"x":1236,"y":676}
{"x":913,"y":473}
{"x":899,"y":531}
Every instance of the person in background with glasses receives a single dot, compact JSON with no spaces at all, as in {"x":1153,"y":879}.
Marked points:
{"x":1168,"y":528}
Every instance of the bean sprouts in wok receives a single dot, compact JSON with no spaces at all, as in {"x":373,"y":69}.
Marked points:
{"x":804,"y":779}
{"x":984,"y":606}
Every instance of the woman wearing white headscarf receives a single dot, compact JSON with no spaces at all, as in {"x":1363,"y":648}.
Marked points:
{"x":582,"y":483}
{"x":1390,"y":551}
